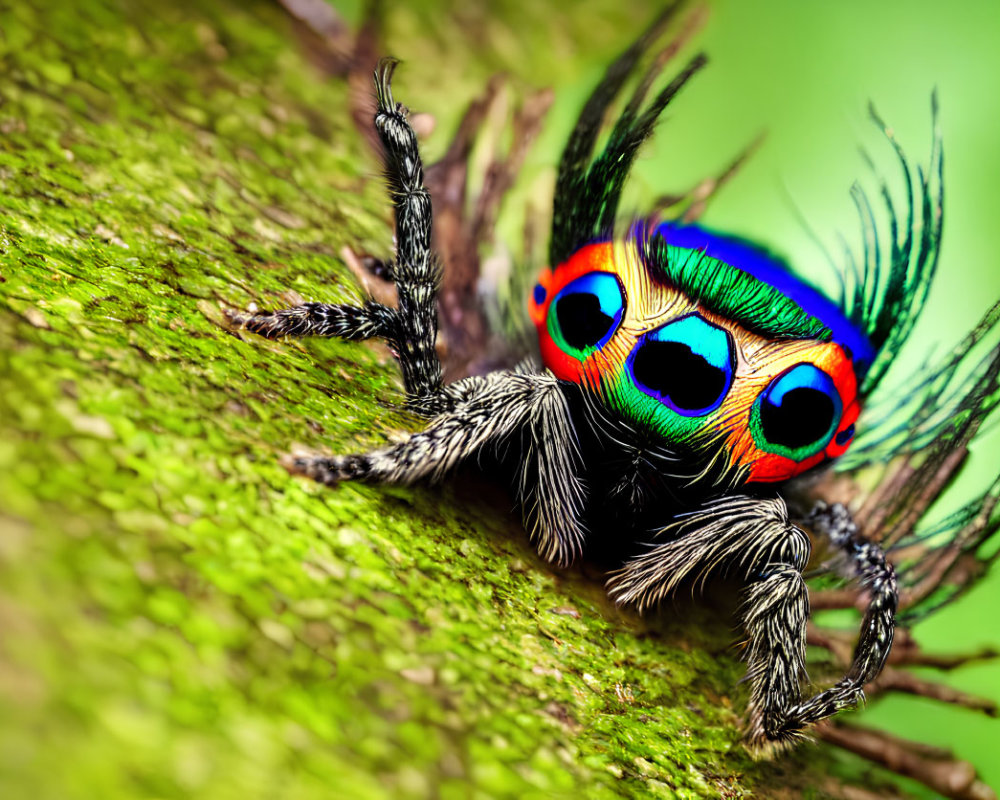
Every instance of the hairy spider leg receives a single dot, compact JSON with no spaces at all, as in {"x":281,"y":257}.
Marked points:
{"x":321,"y":319}
{"x":416,"y":273}
{"x":865,"y":562}
{"x":411,"y":328}
{"x":754,"y":539}
{"x":519,"y":411}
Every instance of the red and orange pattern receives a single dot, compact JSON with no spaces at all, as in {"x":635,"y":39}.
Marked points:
{"x":648,"y":305}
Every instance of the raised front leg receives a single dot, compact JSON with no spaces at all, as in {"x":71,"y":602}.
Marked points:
{"x":411,"y":328}
{"x":754,"y":539}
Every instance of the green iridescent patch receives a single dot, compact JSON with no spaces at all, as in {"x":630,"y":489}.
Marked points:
{"x":649,"y":412}
{"x":731,"y":292}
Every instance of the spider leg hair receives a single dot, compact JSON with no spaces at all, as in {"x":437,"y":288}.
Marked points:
{"x":411,"y":328}
{"x":417,"y":274}
{"x":865,"y":562}
{"x":528,"y":411}
{"x":752,"y":538}
{"x":320,"y":319}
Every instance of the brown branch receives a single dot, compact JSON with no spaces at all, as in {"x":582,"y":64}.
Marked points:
{"x":700,"y":194}
{"x":876,"y":508}
{"x":933,"y":767}
{"x":838,"y":643}
{"x":843,"y":791}
{"x":500,"y":174}
{"x":926,"y":492}
{"x":944,"y":663}
{"x":379,"y":289}
{"x":327,"y":39}
{"x":905,"y":650}
{"x":834,"y":599}
{"x":472,"y":120}
{"x":332,"y":47}
{"x":460,"y":232}
{"x":894,"y":680}
{"x":938,"y":567}
{"x":447,"y":182}
{"x":708,"y":188}
{"x":970,"y":533}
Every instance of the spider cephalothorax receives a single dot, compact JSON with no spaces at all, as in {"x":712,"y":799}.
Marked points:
{"x":687,"y":377}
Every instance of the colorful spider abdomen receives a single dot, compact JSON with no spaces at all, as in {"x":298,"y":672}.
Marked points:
{"x":709,"y":341}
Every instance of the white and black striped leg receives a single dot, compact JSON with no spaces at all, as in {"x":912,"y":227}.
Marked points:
{"x":775,"y":612}
{"x":550,"y":490}
{"x":368,"y":321}
{"x":467,"y":416}
{"x":865,"y":562}
{"x":415,"y":271}
{"x":754,"y":539}
{"x":523,"y":413}
{"x":411,"y":328}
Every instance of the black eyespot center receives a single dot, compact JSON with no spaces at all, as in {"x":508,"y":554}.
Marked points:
{"x":686,"y":364}
{"x":581,"y":320}
{"x":803,"y":417}
{"x":798,"y":413}
{"x":587,"y":311}
{"x":672,"y":370}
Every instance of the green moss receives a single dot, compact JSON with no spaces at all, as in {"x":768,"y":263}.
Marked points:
{"x":183,"y":619}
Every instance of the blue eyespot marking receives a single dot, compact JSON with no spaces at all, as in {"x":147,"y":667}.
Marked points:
{"x":540,"y":294}
{"x":797,"y":413}
{"x":588,"y":311}
{"x":687,"y":365}
{"x":845,"y":435}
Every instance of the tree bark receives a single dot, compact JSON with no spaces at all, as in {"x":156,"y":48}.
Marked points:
{"x":181,"y":617}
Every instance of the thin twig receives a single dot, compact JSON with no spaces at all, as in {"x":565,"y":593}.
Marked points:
{"x":894,"y":680}
{"x":948,"y":777}
{"x":929,"y":490}
{"x":834,"y":599}
{"x":843,"y":791}
{"x":944,"y":663}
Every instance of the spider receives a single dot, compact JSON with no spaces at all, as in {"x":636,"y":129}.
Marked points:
{"x":688,"y":378}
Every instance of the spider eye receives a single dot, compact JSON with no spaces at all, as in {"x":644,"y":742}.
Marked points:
{"x":797,"y":413}
{"x":587,"y":311}
{"x":687,"y":365}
